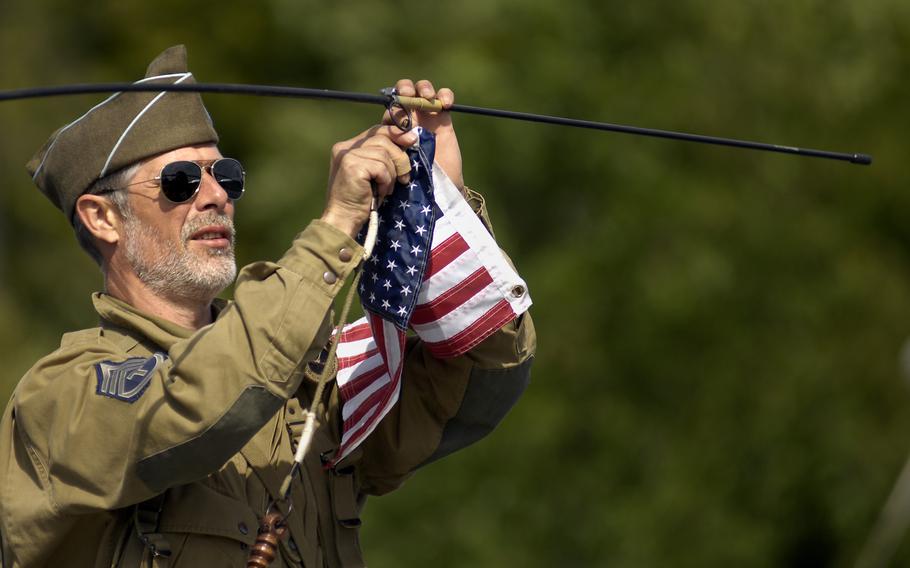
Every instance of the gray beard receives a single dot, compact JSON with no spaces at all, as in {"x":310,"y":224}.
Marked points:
{"x":170,"y":269}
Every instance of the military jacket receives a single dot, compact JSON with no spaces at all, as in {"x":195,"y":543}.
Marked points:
{"x":203,"y":425}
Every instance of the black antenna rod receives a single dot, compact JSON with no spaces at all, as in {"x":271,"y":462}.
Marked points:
{"x":411,"y":103}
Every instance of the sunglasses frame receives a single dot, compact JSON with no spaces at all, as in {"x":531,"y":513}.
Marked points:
{"x":205,"y":166}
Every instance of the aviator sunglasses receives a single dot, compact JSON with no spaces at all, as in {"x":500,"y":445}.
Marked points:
{"x":180,"y":180}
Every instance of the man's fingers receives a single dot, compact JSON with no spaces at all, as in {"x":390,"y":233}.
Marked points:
{"x":405,"y":88}
{"x":400,"y":161}
{"x":446,"y":96}
{"x":375,"y":165}
{"x":387,"y":131}
{"x":425,"y":89}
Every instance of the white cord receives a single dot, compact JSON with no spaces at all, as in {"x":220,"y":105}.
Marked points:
{"x":306,"y":437}
{"x":372,"y":230}
{"x":309,"y":429}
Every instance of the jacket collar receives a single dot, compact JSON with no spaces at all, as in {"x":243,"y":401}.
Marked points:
{"x":119,"y":316}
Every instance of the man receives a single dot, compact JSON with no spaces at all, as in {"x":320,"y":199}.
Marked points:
{"x":163,"y":435}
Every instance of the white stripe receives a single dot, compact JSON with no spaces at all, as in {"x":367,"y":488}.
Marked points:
{"x":447,"y":278}
{"x":351,"y":406}
{"x":479,"y":240}
{"x":67,"y":127}
{"x":354,"y":348}
{"x":392,"y":348}
{"x":356,"y":323}
{"x":361,"y":322}
{"x":182,"y":78}
{"x":102,"y":103}
{"x":156,"y":77}
{"x":348,"y":374}
{"x":461,"y":318}
{"x":347,"y":435}
{"x":442,"y":230}
{"x":373,"y":423}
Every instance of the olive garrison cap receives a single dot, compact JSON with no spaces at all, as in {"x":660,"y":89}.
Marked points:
{"x":120,"y":131}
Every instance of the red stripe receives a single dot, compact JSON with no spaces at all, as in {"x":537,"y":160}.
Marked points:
{"x":355,"y":386}
{"x":379,"y":338}
{"x":444,"y":253}
{"x":452,"y":298}
{"x":496,"y":317}
{"x":345,"y":362}
{"x":386,"y":391}
{"x":365,"y":406}
{"x":356,"y":333}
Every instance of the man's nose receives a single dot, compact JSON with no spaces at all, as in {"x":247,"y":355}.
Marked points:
{"x":211,"y":195}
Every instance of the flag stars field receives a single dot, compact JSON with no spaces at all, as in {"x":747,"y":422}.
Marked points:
{"x":462,"y":306}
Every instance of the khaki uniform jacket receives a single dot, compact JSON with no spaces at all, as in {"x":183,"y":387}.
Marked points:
{"x":214,"y":427}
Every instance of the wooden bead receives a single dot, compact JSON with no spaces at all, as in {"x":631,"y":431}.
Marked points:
{"x":271,"y":531}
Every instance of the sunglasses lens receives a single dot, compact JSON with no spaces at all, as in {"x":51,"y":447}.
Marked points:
{"x":228,"y":172}
{"x":180,"y":180}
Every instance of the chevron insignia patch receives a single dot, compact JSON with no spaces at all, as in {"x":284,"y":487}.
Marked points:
{"x":127,"y":380}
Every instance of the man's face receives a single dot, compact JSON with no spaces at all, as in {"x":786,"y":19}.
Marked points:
{"x":180,"y":250}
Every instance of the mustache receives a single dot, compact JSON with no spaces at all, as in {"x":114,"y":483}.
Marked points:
{"x":211,"y":219}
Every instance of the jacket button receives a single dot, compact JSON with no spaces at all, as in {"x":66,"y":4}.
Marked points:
{"x":243,"y":528}
{"x":345,"y":255}
{"x":329,"y":277}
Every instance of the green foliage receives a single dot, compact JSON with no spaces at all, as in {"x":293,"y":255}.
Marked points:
{"x":717,"y":381}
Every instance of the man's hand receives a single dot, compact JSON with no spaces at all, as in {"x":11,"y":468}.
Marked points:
{"x":448,"y":155}
{"x":373,"y":158}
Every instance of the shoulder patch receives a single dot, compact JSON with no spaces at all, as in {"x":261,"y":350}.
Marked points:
{"x":127,"y":380}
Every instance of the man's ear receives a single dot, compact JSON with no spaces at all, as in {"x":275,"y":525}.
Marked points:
{"x":100,"y":217}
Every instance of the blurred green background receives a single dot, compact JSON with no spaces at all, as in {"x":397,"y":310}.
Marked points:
{"x":718,"y":378}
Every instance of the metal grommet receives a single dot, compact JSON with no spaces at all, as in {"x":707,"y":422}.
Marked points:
{"x":518,"y":291}
{"x":345,"y":255}
{"x":329,"y":277}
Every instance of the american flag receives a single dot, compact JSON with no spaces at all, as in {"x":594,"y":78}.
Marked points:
{"x":436,"y":269}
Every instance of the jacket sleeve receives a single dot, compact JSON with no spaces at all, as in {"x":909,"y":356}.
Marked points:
{"x":447,"y":404}
{"x":205,"y":400}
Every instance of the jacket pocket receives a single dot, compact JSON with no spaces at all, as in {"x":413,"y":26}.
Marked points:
{"x":206,"y":528}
